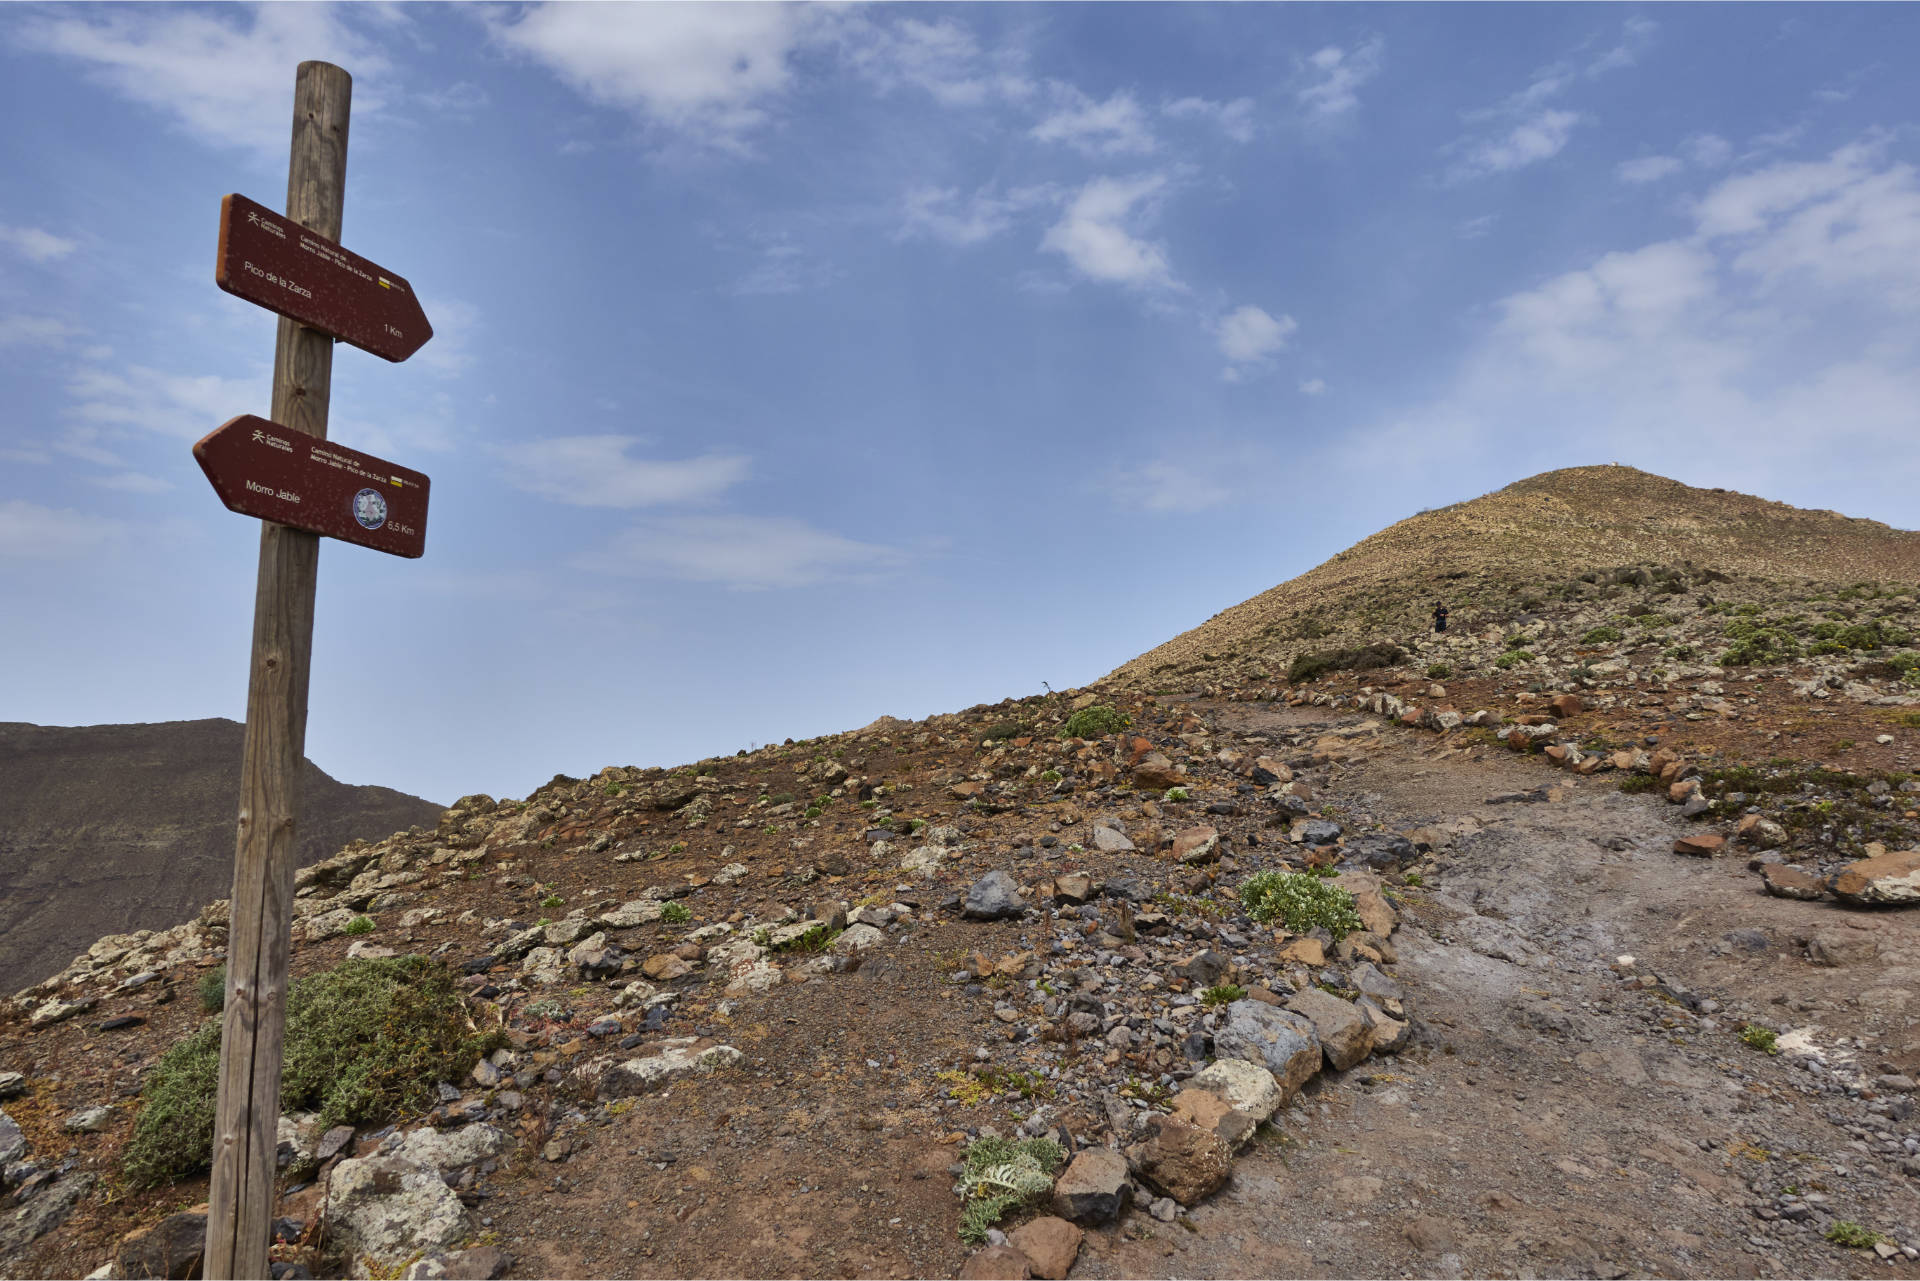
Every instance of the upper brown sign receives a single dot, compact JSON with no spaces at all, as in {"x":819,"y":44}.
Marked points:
{"x":283,"y":267}
{"x":260,"y":468}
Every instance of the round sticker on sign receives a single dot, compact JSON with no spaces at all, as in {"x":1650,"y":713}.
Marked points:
{"x":370,"y":508}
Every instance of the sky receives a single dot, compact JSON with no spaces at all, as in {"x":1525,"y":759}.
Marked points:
{"x":795,"y":366}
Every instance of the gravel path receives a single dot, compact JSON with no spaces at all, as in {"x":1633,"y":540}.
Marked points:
{"x":1558,"y":1117}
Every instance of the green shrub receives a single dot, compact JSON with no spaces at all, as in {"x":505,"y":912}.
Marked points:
{"x":1439,"y":672}
{"x":213,"y":990}
{"x":1512,"y":657}
{"x":1300,"y":901}
{"x":1852,"y":1235}
{"x":1638,"y":783}
{"x":1050,"y":776}
{"x":999,"y":1176}
{"x":363,"y":1041}
{"x":1601,"y":636}
{"x":1177,"y":794}
{"x":1224,"y":994}
{"x":359,"y":925}
{"x":1761,"y":1038}
{"x":1095,"y":722}
{"x":1362,"y":658}
{"x":675,"y":914}
{"x":1006,"y":730}
{"x":1757,"y":643}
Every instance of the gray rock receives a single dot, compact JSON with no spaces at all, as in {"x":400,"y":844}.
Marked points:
{"x":1371,"y":982}
{"x":993,"y":897}
{"x":173,"y":1247}
{"x":449,"y":1150}
{"x":1343,"y":1031}
{"x":1319,"y":831}
{"x":611,"y":1078}
{"x":49,"y":1208}
{"x":12,"y":1084}
{"x":1279,"y":1040}
{"x":1203,"y":968}
{"x":13,"y":1144}
{"x":89,"y":1120}
{"x":1108,"y":836}
{"x":391,"y":1210}
{"x":482,"y":1263}
{"x":1094,"y":1188}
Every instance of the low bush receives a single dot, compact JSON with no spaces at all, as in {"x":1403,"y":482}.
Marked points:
{"x":1601,"y":636}
{"x":364,"y":1040}
{"x":1355,"y":659}
{"x":1097,"y":721}
{"x":1300,"y":901}
{"x":213,"y":990}
{"x":1439,"y":672}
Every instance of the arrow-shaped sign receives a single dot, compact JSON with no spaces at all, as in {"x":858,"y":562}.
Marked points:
{"x":260,"y":468}
{"x":280,"y":265}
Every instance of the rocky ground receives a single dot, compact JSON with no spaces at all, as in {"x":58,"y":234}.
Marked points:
{"x":755,"y":1013}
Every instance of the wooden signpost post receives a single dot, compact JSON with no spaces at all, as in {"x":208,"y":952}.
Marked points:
{"x":281,"y":471}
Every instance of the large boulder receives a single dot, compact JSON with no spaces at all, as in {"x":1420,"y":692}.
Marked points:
{"x":1245,"y":1087}
{"x":172,"y":1248}
{"x":449,"y":1151}
{"x":385,"y":1210}
{"x":610,"y":1078}
{"x":1094,"y":1188}
{"x":1181,"y":1160}
{"x":1888,"y":878}
{"x":1279,"y":1040}
{"x":1344,"y":1034}
{"x":1050,"y":1243}
{"x":992,"y":897}
{"x":1210,"y":1112}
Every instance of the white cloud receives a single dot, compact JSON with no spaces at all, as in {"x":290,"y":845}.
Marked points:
{"x":708,"y":70}
{"x":1115,"y":127}
{"x":1474,"y":228}
{"x":449,"y":353}
{"x":940,"y":58}
{"x":135,"y":398}
{"x":1645,"y":169}
{"x":1248,"y":336}
{"x":35,"y":244}
{"x":1538,"y":138}
{"x":1165,"y":486}
{"x":744,"y":552}
{"x":784,"y":268}
{"x":30,"y":532}
{"x":595,"y":471}
{"x":225,"y":75}
{"x":1094,"y":238}
{"x":1709,"y":151}
{"x":1314,"y":387}
{"x":40,"y":330}
{"x":1635,"y":36}
{"x":940,"y":213}
{"x":134,"y":482}
{"x":1771,"y":350}
{"x":1337,"y":75}
{"x":1235,"y":119}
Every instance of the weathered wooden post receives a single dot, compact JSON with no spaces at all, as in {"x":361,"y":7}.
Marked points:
{"x":302,"y":488}
{"x":240,"y":1210}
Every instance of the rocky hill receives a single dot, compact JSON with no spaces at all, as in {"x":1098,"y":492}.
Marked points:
{"x":1196,"y":973}
{"x":1548,"y":538}
{"x":113,"y":828}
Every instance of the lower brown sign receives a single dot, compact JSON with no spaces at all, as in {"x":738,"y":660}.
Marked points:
{"x":260,"y":468}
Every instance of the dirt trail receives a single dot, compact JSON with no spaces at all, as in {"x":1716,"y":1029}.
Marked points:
{"x":1558,"y":1121}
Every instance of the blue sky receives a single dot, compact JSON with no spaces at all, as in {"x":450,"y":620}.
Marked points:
{"x":799,"y":365}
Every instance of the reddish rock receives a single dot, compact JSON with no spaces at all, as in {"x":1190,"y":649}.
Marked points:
{"x":1305,"y":951}
{"x":1760,"y":831}
{"x":1214,"y":1114}
{"x":664,"y":967}
{"x":1887,"y":878}
{"x":1565,"y":705}
{"x":1197,"y":845}
{"x":1519,"y":739}
{"x":1134,"y":749}
{"x":1559,"y":753}
{"x":1703,"y":845}
{"x":996,"y":1263}
{"x":1156,"y":773}
{"x":1050,"y":1244}
{"x":1182,"y":1160}
{"x":1677,"y":793}
{"x":1783,"y":880}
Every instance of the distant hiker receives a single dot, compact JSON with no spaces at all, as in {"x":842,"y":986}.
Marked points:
{"x":1439,"y":617}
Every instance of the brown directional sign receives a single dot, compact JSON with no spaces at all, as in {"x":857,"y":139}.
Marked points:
{"x":280,"y":265}
{"x":260,"y":468}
